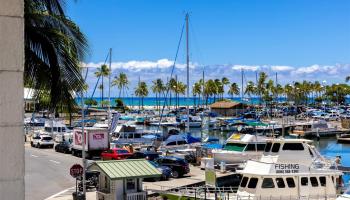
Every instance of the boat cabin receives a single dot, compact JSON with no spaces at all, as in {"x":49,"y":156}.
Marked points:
{"x":289,"y":168}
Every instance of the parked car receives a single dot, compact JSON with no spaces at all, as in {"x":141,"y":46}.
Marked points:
{"x":63,"y":147}
{"x":42,"y":140}
{"x":178,"y":166}
{"x":148,"y":155}
{"x":115,"y":154}
{"x":166,"y":171}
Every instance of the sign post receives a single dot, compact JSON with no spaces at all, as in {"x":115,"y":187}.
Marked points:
{"x":76,"y":171}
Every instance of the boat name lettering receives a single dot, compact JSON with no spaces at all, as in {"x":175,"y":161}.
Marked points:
{"x":286,"y":168}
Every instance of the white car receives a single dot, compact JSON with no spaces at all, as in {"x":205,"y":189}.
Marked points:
{"x":42,"y":141}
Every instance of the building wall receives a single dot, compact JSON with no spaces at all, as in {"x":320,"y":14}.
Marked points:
{"x":228,"y":112}
{"x":11,"y":99}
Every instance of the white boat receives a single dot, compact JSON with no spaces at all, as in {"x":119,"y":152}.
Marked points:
{"x":316,"y":128}
{"x":343,"y":138}
{"x":289,"y":169}
{"x":239,"y":148}
{"x":55,"y":128}
{"x":129,"y":134}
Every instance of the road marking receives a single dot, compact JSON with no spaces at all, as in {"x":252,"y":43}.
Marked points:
{"x":57,"y":194}
{"x":54,"y":161}
{"x":34,"y":156}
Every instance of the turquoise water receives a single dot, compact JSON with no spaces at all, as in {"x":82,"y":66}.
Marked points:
{"x":151,"y":101}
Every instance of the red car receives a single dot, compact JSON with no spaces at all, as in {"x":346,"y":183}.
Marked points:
{"x":115,"y":154}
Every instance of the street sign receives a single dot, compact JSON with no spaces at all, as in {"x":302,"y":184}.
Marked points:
{"x":76,"y":170}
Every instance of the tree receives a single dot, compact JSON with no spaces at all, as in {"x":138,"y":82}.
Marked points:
{"x":102,"y":72}
{"x":141,"y":91}
{"x":122,"y":82}
{"x":250,"y":89}
{"x":172,"y":87}
{"x":158,"y":88}
{"x":261,"y":85}
{"x":54,"y":48}
{"x":197,"y":90}
{"x":90,"y":102}
{"x":233,"y":90}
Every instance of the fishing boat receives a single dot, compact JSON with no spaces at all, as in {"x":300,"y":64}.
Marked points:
{"x":239,"y":148}
{"x":343,"y":138}
{"x":289,"y":169}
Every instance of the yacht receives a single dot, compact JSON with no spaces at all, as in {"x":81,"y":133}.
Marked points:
{"x":129,"y":134}
{"x":319,"y":128}
{"x":239,"y":148}
{"x":289,"y":169}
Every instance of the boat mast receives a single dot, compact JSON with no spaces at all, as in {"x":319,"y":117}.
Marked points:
{"x":242,"y":85}
{"x":109,"y":86}
{"x":188,"y":76}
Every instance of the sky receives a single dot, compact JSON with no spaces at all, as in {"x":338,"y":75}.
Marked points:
{"x":297,"y":39}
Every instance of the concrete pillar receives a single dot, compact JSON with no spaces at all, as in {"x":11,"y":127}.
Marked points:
{"x":11,"y":99}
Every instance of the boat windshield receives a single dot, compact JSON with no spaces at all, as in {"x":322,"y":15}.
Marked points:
{"x":235,"y":147}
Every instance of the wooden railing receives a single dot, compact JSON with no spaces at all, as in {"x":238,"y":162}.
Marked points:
{"x":136,"y":196}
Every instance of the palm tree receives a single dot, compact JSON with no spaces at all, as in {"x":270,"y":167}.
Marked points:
{"x":197,"y":90}
{"x":172,"y":87}
{"x":261,"y":85}
{"x":224,"y":82}
{"x":54,"y":48}
{"x":158,"y":88}
{"x":233,"y":90}
{"x":219,"y":88}
{"x":210,"y":89}
{"x":122,"y":82}
{"x":141,"y":91}
{"x":102,"y":72}
{"x":250,"y":89}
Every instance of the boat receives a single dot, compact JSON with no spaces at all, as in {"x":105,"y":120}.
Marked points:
{"x":239,"y":148}
{"x":289,"y":169}
{"x":316,"y":128}
{"x":54,"y":127}
{"x":343,"y":138}
{"x":129,"y":134}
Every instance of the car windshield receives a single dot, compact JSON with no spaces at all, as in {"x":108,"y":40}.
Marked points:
{"x":154,"y":164}
{"x":122,"y":151}
{"x":47,"y":138}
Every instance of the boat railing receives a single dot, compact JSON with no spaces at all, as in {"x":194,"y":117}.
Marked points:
{"x":230,"y":193}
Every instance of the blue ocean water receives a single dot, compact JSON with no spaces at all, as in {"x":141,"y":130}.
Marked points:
{"x":182,"y":101}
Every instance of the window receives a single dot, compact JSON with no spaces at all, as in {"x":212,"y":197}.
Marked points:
{"x":304,"y":181}
{"x":122,"y":151}
{"x":244,"y":182}
{"x":267,"y":183}
{"x":323,"y":181}
{"x":171,"y":143}
{"x":252,"y":183}
{"x":268,"y":147}
{"x":235,"y":147}
{"x":280,"y":183}
{"x":276,"y":147}
{"x":293,"y":146}
{"x":130,"y":184}
{"x":313,"y":181}
{"x":290,"y":182}
{"x":255,"y":147}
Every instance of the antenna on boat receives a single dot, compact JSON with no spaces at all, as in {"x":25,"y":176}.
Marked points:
{"x":242,"y":85}
{"x":188,"y":77}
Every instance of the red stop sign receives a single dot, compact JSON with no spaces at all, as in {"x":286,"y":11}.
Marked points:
{"x":76,"y":170}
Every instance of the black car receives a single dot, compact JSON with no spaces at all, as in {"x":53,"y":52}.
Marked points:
{"x":148,"y":155}
{"x":64,"y":147}
{"x":178,"y":166}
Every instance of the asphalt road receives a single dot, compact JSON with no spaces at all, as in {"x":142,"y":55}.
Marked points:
{"x":47,"y":172}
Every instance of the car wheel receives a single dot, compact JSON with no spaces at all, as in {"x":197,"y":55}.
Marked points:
{"x":175,"y":174}
{"x":38,"y":145}
{"x":31,"y":144}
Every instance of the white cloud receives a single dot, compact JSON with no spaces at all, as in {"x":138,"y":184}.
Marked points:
{"x":281,"y":68}
{"x":246,"y":67}
{"x":307,"y":70}
{"x":136,"y":65}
